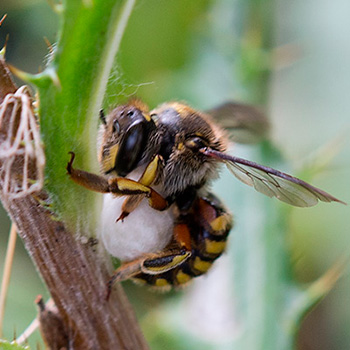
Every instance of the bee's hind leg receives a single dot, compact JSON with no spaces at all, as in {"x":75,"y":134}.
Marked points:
{"x":151,"y":264}
{"x":177,"y":252}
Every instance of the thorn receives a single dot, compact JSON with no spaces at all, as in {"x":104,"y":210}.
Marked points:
{"x":37,"y":79}
{"x":3,"y":19}
{"x":3,"y":50}
{"x":27,"y":77}
{"x":49,"y":45}
{"x":325,"y":283}
{"x":52,"y":74}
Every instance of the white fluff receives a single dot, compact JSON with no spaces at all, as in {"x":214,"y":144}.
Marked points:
{"x":145,"y":230}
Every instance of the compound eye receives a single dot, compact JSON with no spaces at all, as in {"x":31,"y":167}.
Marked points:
{"x":195,"y":143}
{"x":131,"y":148}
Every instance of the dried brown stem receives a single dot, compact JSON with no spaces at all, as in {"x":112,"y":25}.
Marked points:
{"x":72,"y":271}
{"x":10,"y":251}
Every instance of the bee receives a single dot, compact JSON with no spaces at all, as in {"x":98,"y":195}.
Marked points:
{"x":159,"y":216}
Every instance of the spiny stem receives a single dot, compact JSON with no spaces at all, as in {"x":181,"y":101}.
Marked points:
{"x":7,"y":272}
{"x":107,"y":59}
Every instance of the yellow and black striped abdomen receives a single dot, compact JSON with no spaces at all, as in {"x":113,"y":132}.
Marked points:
{"x":209,"y":225}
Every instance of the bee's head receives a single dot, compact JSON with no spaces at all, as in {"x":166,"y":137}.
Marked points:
{"x":188,"y":130}
{"x":123,"y":137}
{"x":185,"y":132}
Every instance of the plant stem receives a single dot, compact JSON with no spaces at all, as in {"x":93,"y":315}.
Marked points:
{"x":7,"y":273}
{"x":74,"y":273}
{"x":106,"y":63}
{"x":71,"y":91}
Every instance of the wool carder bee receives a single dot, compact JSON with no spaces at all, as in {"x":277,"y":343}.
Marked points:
{"x":158,"y":216}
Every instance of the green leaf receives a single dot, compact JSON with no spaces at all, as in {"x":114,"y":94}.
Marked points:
{"x":6,"y":345}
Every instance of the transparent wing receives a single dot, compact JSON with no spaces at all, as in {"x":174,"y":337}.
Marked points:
{"x":247,"y":124}
{"x":273,"y":183}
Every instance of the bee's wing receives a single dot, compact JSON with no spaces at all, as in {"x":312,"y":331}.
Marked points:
{"x":273,"y":183}
{"x":247,"y":124}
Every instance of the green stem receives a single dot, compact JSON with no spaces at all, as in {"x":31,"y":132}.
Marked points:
{"x":106,"y":63}
{"x":71,"y":91}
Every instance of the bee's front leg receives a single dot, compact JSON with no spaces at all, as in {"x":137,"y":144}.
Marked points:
{"x":118,"y":186}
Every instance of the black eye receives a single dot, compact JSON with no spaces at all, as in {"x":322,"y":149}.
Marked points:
{"x":195,"y":143}
{"x":131,"y":148}
{"x":130,"y":114}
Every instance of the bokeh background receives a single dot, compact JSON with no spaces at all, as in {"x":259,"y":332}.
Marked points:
{"x":192,"y":51}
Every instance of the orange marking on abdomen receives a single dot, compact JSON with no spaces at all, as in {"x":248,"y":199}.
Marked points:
{"x":206,"y":210}
{"x":183,"y":236}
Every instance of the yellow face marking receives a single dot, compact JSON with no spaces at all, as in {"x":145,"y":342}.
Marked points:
{"x":200,"y":265}
{"x":221,"y":223}
{"x":108,"y":161}
{"x":182,"y":277}
{"x":161,"y":282}
{"x":213,"y":247}
{"x":147,"y":117}
{"x":150,"y":173}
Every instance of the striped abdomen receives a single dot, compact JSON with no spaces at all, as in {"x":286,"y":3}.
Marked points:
{"x":209,"y":225}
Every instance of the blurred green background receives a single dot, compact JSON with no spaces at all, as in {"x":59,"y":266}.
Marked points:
{"x":192,"y":51}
